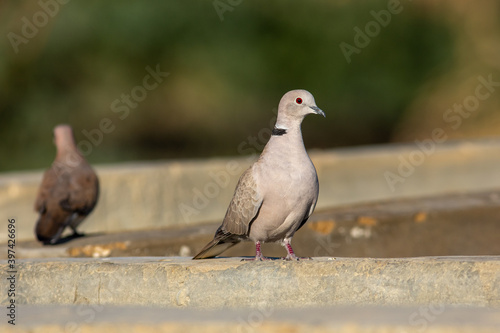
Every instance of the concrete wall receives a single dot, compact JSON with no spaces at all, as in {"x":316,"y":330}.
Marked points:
{"x":157,"y":194}
{"x":178,"y":282}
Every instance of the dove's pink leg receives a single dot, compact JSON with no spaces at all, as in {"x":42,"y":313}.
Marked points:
{"x":291,"y":255}
{"x":258,"y":254}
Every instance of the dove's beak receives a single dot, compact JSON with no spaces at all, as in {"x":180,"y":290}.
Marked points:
{"x":318,"y":111}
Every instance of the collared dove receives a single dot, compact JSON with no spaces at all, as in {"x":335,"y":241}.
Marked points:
{"x":278,"y":193}
{"x":68,"y":192}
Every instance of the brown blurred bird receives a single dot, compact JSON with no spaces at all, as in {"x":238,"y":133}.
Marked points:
{"x":68,"y":192}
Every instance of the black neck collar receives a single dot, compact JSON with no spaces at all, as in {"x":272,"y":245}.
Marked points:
{"x":279,"y":131}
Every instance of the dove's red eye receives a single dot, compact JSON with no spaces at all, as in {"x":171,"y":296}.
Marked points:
{"x":299,"y":100}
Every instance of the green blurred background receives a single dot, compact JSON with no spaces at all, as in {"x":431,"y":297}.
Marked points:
{"x":226,"y":76}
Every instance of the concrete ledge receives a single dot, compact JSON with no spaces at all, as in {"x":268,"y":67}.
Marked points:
{"x":231,"y":283}
{"x":91,"y":319}
{"x":137,"y":196}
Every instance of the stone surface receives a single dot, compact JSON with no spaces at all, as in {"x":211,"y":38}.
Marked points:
{"x":90,"y":319}
{"x":453,"y":224}
{"x":232,"y":283}
{"x":138,"y":196}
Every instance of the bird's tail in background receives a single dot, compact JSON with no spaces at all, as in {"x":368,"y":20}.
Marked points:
{"x":219,"y":244}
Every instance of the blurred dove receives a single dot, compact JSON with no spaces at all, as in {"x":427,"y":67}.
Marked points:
{"x":68,"y":192}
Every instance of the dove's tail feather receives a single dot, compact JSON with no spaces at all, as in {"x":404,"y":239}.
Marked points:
{"x":219,"y":244}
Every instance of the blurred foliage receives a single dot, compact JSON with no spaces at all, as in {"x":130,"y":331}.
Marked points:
{"x":226,"y":76}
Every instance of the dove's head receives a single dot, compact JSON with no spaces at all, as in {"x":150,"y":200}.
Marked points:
{"x":294,"y":106}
